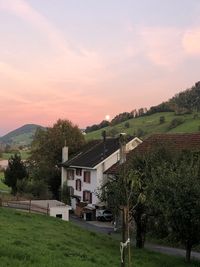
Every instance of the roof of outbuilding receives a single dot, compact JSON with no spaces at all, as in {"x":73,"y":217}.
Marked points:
{"x":92,"y":156}
{"x":174,"y":142}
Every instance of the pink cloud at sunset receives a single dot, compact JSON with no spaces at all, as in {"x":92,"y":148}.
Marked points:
{"x":81,"y":61}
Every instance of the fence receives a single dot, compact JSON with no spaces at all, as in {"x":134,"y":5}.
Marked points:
{"x":26,"y":205}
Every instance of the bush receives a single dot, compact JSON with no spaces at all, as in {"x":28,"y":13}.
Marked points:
{"x":127,"y":125}
{"x":162,"y":119}
{"x":140,"y":132}
{"x":175,"y":122}
{"x":113,"y":132}
{"x":38,"y":189}
{"x":65,"y":194}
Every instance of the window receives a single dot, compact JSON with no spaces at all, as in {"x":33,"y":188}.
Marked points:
{"x":71,"y":190}
{"x":70,"y":174}
{"x":87,"y":177}
{"x":87,"y":196}
{"x":78,"y":172}
{"x":78,"y":185}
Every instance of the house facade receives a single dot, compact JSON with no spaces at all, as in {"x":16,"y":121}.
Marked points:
{"x":84,"y":174}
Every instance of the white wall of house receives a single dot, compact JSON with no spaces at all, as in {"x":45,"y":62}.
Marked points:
{"x":96,"y":174}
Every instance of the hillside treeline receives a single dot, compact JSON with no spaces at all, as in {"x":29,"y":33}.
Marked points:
{"x":185,"y":102}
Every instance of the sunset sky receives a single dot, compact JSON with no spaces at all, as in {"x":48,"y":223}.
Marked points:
{"x":85,"y":59}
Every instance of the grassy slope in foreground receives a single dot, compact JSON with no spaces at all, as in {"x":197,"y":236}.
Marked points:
{"x":3,"y":187}
{"x":37,"y":240}
{"x":151,"y":124}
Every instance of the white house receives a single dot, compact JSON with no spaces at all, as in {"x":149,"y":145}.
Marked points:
{"x":84,"y":172}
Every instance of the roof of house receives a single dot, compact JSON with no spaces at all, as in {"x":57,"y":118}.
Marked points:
{"x":173,"y":142}
{"x":92,"y":156}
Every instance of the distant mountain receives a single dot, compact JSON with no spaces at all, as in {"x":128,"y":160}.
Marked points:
{"x":22,"y":136}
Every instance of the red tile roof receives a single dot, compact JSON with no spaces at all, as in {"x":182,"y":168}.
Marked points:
{"x":173,"y":142}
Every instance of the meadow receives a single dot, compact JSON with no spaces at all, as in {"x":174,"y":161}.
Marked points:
{"x":150,"y":124}
{"x":3,"y":187}
{"x":38,"y":240}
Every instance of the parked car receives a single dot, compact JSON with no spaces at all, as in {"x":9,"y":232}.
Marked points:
{"x":104,"y":215}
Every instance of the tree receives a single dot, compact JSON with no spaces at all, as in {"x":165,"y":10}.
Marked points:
{"x":15,"y":173}
{"x":162,"y":119}
{"x":132,"y":179}
{"x":127,"y":125}
{"x":175,"y":193}
{"x":46,"y":152}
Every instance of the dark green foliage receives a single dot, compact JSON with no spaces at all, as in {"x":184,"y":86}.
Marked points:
{"x":121,"y":117}
{"x":162,"y":119}
{"x":46,"y":152}
{"x":95,"y":127}
{"x":175,"y":191}
{"x":65,"y":194}
{"x":113,"y":132}
{"x":15,"y":172}
{"x":38,"y":189}
{"x":175,"y":122}
{"x":140,"y":132}
{"x":127,"y":125}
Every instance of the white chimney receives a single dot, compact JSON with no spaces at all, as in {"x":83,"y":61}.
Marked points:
{"x":65,"y":154}
{"x":63,"y":169}
{"x":122,"y":149}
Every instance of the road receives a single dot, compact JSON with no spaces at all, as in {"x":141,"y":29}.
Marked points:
{"x":106,"y":228}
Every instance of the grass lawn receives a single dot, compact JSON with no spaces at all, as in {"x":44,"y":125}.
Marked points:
{"x":2,"y":185}
{"x":37,"y":240}
{"x":151,"y":124}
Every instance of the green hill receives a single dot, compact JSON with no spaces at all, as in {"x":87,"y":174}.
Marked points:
{"x":22,"y":136}
{"x":30,"y":240}
{"x":148,"y":124}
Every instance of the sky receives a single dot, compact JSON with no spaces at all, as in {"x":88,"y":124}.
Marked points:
{"x":84,"y":59}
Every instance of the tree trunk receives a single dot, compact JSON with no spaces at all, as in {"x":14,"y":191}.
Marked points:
{"x":188,"y":252}
{"x":140,"y":221}
{"x":140,"y":235}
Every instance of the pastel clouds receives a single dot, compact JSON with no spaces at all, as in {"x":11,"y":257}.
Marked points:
{"x":84,"y":80}
{"x":191,"y":41}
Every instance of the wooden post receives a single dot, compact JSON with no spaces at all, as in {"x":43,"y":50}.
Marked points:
{"x":128,"y":236}
{"x":47,"y":208}
{"x":124,"y":212}
{"x":29,"y":205}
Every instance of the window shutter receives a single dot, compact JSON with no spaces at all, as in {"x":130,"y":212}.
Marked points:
{"x":90,"y":197}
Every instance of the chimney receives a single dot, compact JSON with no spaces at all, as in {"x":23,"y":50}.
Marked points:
{"x":64,"y":153}
{"x":122,"y":149}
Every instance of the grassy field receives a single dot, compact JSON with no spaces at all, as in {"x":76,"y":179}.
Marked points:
{"x":24,"y":155}
{"x":3,"y":187}
{"x":151,"y":124}
{"x":37,"y":240}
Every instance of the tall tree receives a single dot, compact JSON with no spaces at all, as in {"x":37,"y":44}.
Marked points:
{"x":15,"y":172}
{"x":175,"y":193}
{"x":46,"y":151}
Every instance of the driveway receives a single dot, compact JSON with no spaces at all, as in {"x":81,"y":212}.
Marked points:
{"x":94,"y":226}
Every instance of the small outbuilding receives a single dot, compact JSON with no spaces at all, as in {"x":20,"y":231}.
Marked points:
{"x":56,"y":208}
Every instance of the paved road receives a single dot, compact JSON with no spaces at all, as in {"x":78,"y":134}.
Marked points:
{"x":99,"y":228}
{"x":91,"y":227}
{"x":171,"y":251}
